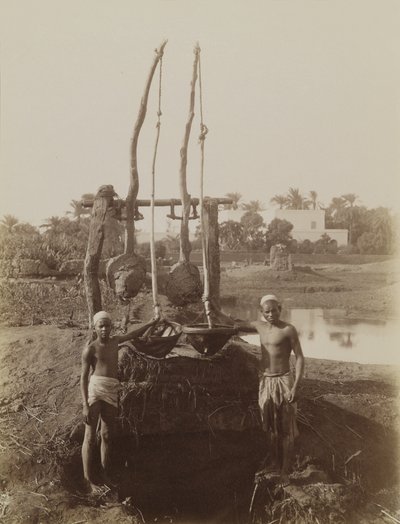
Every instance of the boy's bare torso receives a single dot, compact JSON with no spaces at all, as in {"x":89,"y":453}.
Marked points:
{"x":276,"y":346}
{"x":104,"y":357}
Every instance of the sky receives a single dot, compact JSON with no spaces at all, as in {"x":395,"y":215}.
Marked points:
{"x":296,"y":93}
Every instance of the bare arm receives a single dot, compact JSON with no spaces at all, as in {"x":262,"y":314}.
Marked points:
{"x":135,"y":333}
{"x":245,"y":326}
{"x":241,"y":325}
{"x":299,"y":368}
{"x":86,"y":364}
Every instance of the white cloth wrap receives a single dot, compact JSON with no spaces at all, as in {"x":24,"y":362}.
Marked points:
{"x":277,"y":413}
{"x":268,"y":297}
{"x":103,"y":388}
{"x":100,"y":315}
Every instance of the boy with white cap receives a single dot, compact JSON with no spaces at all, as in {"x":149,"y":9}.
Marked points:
{"x":100,"y":390}
{"x":277,"y":390}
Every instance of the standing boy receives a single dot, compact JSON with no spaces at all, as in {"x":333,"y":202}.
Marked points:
{"x":277,"y":390}
{"x":100,"y":391}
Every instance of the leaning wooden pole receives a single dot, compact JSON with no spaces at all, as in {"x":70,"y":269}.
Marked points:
{"x":134,"y":175}
{"x":94,"y":249}
{"x":184,"y":285}
{"x":185,"y":246}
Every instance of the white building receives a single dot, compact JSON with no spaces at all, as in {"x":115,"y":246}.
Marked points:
{"x":309,"y":224}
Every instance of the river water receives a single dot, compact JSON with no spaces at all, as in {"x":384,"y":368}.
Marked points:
{"x":328,"y":334}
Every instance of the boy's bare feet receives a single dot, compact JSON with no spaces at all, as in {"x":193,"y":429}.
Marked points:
{"x":93,"y":489}
{"x":284,"y":480}
{"x":110,"y":483}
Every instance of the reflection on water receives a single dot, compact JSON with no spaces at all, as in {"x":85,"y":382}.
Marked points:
{"x":343,"y":339}
{"x":329,"y":334}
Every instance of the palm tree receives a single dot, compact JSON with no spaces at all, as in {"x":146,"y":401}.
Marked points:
{"x":281,"y":200}
{"x":235,"y":197}
{"x":349,"y":200}
{"x":295,"y":200}
{"x":336,"y":207}
{"x":312,"y":199}
{"x":383,"y":226}
{"x":53,"y":225}
{"x":25,"y":228}
{"x":254,"y":206}
{"x":77,"y":209}
{"x":8,"y":222}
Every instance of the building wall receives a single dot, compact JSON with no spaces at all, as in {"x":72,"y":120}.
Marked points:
{"x":309,"y":224}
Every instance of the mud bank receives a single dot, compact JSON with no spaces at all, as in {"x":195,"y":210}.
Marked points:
{"x":361,"y":291}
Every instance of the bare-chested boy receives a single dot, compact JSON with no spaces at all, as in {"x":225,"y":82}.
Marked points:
{"x":278,"y":390}
{"x":100,"y":391}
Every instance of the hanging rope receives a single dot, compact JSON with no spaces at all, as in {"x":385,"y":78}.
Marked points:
{"x":202,"y":137}
{"x":156,"y":343}
{"x":156,"y":305}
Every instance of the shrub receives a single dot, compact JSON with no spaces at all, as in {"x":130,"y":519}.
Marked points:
{"x":278,"y":232}
{"x":306,"y":247}
{"x":293,"y":246}
{"x":318,"y":249}
{"x":332,"y":247}
{"x":324,"y":244}
{"x":368,"y":244}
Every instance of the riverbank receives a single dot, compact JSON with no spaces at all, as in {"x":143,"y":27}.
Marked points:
{"x":360,"y":290}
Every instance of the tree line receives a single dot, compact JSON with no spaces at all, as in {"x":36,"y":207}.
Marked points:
{"x":371,"y":231}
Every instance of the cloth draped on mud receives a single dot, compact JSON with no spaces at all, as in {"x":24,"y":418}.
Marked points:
{"x":277,"y":413}
{"x":103,"y":388}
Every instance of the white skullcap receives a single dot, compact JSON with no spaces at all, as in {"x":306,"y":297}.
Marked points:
{"x":268,"y":297}
{"x":101,"y":315}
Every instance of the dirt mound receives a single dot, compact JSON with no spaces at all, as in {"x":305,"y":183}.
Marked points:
{"x":186,"y":392}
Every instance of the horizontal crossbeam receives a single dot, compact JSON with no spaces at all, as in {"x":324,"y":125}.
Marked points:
{"x":163,"y":202}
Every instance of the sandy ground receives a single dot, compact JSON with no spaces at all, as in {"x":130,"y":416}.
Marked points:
{"x":349,"y":412}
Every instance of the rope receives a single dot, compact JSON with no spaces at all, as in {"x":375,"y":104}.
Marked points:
{"x":154,"y":284}
{"x":202,"y":126}
{"x":202,"y":137}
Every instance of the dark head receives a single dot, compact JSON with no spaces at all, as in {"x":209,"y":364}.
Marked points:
{"x":270,"y":309}
{"x":102,"y":325}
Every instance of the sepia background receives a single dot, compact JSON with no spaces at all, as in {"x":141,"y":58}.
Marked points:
{"x":296,"y":94}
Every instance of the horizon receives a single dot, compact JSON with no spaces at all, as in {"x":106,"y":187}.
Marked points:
{"x":163,"y":223}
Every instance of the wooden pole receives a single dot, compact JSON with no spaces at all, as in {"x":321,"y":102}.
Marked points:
{"x":154,"y":283}
{"x":185,"y":246}
{"x":93,"y":254}
{"x":134,"y":176}
{"x":202,"y":137}
{"x":211,"y":232}
{"x":164,"y":202}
